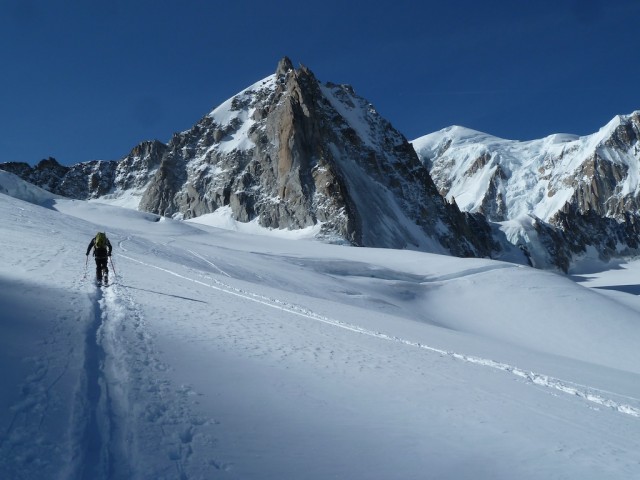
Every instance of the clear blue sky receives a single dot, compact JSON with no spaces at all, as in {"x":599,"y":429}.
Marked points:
{"x":83,"y":80}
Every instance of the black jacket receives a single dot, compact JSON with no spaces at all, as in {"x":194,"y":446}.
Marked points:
{"x":103,"y":252}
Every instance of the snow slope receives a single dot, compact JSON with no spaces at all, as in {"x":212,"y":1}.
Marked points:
{"x":526,"y":192}
{"x":219,"y":354}
{"x":536,"y":177}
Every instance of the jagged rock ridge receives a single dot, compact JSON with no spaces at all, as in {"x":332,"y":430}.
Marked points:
{"x":97,"y":178}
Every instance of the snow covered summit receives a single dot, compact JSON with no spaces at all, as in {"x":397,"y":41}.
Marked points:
{"x":579,"y":192}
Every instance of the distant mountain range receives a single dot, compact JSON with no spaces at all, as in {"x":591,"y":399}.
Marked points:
{"x":293,"y":152}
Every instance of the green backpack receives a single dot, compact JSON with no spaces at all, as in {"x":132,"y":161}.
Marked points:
{"x":101,"y":240}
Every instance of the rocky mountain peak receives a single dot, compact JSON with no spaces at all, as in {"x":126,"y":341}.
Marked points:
{"x":290,"y":152}
{"x":284,"y":66}
{"x":626,"y":132}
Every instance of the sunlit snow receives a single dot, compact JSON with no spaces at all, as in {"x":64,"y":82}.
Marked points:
{"x":539,"y":171}
{"x":233,"y":113}
{"x":219,"y":353}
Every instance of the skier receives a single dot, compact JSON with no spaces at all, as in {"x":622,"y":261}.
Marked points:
{"x":101,"y":251}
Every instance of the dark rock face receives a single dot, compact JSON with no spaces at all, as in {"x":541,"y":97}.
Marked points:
{"x":292,"y":153}
{"x":134,"y":170}
{"x":82,"y":181}
{"x":47,"y":174}
{"x":94,"y":179}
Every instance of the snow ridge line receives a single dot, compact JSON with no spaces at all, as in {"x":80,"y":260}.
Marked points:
{"x":590,"y":394}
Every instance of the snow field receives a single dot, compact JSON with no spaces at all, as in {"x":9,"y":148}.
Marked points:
{"x":222,"y":355}
{"x":589,"y":393}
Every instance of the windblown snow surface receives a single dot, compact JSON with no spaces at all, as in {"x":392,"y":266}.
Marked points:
{"x":221,"y":354}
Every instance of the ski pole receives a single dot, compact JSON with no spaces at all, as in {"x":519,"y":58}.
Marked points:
{"x":85,"y":267}
{"x":113,"y":268}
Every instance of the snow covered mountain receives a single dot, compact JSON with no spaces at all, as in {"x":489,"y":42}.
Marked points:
{"x":223,"y":355}
{"x":291,"y":153}
{"x":558,"y":197}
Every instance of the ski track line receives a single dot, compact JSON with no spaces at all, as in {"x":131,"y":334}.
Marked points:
{"x":197,"y":255}
{"x":153,"y":416}
{"x":124,"y":371}
{"x":102,"y":435}
{"x":92,"y":457}
{"x":590,"y":394}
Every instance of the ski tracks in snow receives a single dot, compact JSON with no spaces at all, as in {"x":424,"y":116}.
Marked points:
{"x":126,"y":412}
{"x":599,"y":397}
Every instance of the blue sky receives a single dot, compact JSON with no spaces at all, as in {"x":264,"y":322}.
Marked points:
{"x":83,"y":80}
